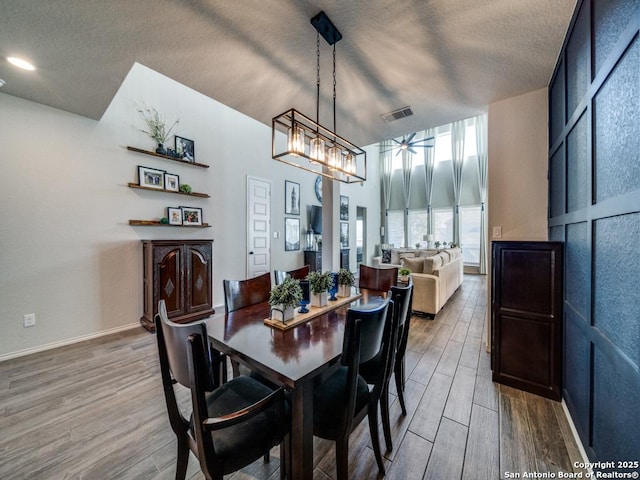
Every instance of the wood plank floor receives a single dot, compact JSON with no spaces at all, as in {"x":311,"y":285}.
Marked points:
{"x":95,"y":410}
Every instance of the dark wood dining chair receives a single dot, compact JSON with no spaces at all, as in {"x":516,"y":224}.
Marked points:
{"x":298,"y":273}
{"x":244,"y":293}
{"x":232,"y":423}
{"x":402,"y":297}
{"x":377,"y":280}
{"x":342,"y":401}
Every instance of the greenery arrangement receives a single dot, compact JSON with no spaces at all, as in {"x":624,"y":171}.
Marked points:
{"x":345,"y":277}
{"x":156,"y":125}
{"x":287,"y":294}
{"x":319,"y":282}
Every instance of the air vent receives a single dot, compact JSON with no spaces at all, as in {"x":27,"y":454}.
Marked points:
{"x":397,"y":114}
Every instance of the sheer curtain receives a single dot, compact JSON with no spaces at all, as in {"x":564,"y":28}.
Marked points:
{"x":385,"y":178}
{"x":407,"y":167}
{"x":457,"y":160}
{"x":481,"y":148}
{"x":428,"y":178}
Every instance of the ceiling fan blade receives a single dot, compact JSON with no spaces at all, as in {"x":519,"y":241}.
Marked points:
{"x":421,"y":141}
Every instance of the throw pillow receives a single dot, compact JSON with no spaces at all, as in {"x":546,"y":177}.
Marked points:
{"x":386,"y":255}
{"x":416,"y":265}
{"x":432,"y":263}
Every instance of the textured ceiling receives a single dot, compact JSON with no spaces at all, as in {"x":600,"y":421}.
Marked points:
{"x":447,"y":59}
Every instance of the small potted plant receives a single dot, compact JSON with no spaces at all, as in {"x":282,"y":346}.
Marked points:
{"x":284,"y":298}
{"x":403,"y":275}
{"x":345,"y":282}
{"x":319,"y":283}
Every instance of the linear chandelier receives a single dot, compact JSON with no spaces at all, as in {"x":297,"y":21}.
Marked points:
{"x":299,"y":141}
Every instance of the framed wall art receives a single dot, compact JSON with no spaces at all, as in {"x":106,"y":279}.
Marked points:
{"x":171,"y":182}
{"x":291,"y":198}
{"x":291,"y":234}
{"x":344,"y":207}
{"x":185,"y":148}
{"x":174,"y":214}
{"x":150,"y":177}
{"x":344,"y":235}
{"x":191,"y":216}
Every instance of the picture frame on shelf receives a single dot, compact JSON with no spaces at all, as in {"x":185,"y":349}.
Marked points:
{"x":171,"y":182}
{"x":291,"y":234}
{"x":174,"y":214}
{"x":344,"y":235}
{"x":344,"y":207}
{"x":291,"y":198}
{"x":185,"y":148}
{"x":151,"y":177}
{"x":191,"y":216}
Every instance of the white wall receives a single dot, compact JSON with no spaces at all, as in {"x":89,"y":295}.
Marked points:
{"x":517,"y":149}
{"x":68,"y":253}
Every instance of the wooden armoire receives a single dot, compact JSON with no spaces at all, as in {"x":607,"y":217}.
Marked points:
{"x":180,"y":272}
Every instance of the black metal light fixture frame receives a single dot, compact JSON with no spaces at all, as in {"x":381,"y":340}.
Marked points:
{"x":295,"y":136}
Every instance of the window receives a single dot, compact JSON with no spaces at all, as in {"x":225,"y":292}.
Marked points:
{"x":470,"y":234}
{"x":417,"y":226}
{"x":395,"y":227}
{"x":442,"y":224}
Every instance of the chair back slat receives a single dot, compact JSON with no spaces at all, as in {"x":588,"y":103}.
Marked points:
{"x":378,"y":279}
{"x":244,"y":293}
{"x":372,"y":321}
{"x":298,"y":273}
{"x":172,"y":342}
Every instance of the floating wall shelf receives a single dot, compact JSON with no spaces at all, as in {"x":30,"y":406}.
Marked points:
{"x":156,"y":223}
{"x":167,"y":157}
{"x":192,"y":194}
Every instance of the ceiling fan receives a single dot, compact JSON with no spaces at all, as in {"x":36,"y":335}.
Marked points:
{"x":408,"y":143}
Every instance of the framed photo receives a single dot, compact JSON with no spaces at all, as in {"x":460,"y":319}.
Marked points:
{"x":174,"y":214}
{"x":291,"y":198}
{"x":191,"y":216}
{"x":150,"y":177}
{"x":171,"y":182}
{"x":344,"y":207}
{"x":291,"y":234}
{"x":185,"y":148}
{"x":344,"y":235}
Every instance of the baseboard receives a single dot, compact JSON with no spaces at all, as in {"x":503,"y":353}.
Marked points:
{"x":574,"y":431}
{"x":70,"y":341}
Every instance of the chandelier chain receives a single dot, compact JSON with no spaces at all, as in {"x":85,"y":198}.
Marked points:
{"x":334,"y":87}
{"x":317,"y":77}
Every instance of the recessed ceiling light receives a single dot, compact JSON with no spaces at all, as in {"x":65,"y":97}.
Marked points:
{"x":20,"y":63}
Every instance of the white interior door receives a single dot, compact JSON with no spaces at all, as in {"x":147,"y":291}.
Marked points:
{"x":258,"y":226}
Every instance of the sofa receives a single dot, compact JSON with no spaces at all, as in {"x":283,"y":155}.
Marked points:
{"x":436,"y":273}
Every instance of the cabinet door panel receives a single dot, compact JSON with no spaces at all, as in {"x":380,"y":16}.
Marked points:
{"x":199,"y":278}
{"x":169,"y":278}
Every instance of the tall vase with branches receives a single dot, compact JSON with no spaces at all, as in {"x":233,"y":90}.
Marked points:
{"x":156,"y":126}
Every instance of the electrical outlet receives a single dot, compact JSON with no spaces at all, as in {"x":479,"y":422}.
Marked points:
{"x":29,"y":320}
{"x":497,"y":232}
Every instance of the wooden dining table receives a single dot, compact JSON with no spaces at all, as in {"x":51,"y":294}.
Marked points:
{"x":297,"y":359}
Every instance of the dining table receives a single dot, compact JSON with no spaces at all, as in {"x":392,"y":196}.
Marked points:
{"x":297,"y":359}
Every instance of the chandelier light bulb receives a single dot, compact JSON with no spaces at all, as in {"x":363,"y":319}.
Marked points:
{"x":295,"y":140}
{"x":316,"y":149}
